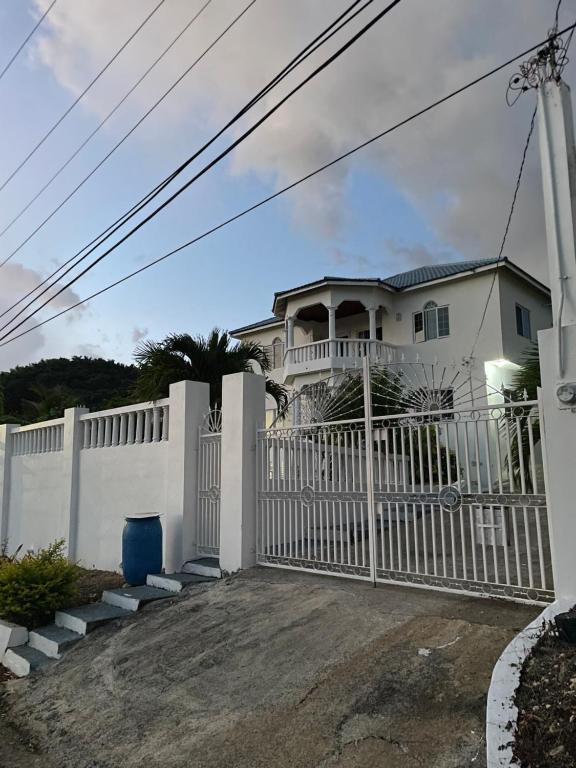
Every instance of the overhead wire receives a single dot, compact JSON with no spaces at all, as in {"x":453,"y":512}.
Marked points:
{"x":104,"y":120}
{"x":269,"y":198}
{"x":333,"y":57}
{"x":321,"y":39}
{"x":79,"y":98}
{"x":26,"y":40}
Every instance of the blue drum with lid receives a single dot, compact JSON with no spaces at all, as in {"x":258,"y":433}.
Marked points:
{"x":141,"y":548}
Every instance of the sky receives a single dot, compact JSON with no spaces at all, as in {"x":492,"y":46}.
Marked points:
{"x":436,"y":190}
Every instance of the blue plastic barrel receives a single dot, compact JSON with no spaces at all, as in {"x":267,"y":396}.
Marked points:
{"x":141,"y":548}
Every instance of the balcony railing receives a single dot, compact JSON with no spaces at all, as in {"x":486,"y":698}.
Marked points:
{"x":335,"y":353}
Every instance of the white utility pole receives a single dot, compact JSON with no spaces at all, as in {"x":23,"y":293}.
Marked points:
{"x":558,"y":344}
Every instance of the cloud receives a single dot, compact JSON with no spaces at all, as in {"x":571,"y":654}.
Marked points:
{"x":15,"y":281}
{"x":456,"y":165}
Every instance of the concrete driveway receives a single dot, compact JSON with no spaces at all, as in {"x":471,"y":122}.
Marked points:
{"x":272,"y":668}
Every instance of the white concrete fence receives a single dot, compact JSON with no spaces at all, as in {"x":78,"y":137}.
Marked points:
{"x":78,"y":477}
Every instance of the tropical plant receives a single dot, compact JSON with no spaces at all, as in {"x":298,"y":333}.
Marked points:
{"x":516,"y":428}
{"x":48,"y":403}
{"x":33,"y":587}
{"x":527,"y":378}
{"x":199,"y":358}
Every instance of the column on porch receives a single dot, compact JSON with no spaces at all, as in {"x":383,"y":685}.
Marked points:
{"x":332,"y":329}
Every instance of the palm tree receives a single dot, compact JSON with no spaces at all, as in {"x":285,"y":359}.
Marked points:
{"x":527,"y":377}
{"x":48,"y":403}
{"x":198,"y":358}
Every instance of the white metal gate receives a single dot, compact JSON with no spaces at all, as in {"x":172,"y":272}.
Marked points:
{"x":209,"y":466}
{"x":449,"y":498}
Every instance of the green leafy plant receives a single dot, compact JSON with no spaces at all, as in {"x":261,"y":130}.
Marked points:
{"x":182,"y":356}
{"x":36,"y":585}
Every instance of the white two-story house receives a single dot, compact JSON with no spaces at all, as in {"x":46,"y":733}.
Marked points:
{"x":430,"y":314}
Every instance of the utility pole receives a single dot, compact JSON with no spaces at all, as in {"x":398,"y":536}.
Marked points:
{"x":557,"y":345}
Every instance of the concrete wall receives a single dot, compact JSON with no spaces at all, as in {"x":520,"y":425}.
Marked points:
{"x":79,"y":477}
{"x":515,"y":291}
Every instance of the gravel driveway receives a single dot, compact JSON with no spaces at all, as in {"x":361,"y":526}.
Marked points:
{"x":272,"y":668}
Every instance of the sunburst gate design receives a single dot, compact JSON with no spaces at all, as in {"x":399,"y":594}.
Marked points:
{"x":212,"y":423}
{"x":396,"y":389}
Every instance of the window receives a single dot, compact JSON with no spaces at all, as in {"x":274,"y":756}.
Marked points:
{"x":523,"y":327}
{"x":277,"y":356}
{"x":365,"y":334}
{"x":432,"y":323}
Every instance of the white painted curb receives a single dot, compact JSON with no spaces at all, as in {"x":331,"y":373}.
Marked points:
{"x":501,"y":714}
{"x":11,"y":635}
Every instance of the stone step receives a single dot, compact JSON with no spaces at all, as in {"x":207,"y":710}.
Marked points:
{"x":175,"y":582}
{"x":23,"y":660}
{"x":87,"y":617}
{"x":204,"y":566}
{"x":133,"y":598}
{"x":52,"y":641}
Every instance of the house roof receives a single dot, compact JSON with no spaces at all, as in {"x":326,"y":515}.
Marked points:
{"x":254,"y":326}
{"x":431,"y":272}
{"x":400,"y":282}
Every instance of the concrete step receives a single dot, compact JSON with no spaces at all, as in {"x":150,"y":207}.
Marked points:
{"x":133,"y":598}
{"x":175,"y":582}
{"x":204,"y":566}
{"x":52,"y":641}
{"x":23,"y":660}
{"x":87,"y":617}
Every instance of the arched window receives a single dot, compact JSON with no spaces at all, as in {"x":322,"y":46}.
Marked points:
{"x":433,"y":322}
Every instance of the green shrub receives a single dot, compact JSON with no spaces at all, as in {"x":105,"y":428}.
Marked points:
{"x":33,"y":587}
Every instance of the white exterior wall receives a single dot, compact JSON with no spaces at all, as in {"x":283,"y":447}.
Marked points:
{"x":515,"y":291}
{"x":78,"y":478}
{"x":116,"y":482}
{"x":37,"y":508}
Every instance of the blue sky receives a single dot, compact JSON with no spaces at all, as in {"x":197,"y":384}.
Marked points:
{"x":435,"y":191}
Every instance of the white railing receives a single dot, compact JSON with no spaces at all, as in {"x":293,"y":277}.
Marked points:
{"x":339,"y":348}
{"x":35,"y":438}
{"x":131,"y":425}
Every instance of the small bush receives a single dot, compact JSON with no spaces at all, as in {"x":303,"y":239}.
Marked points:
{"x":35,"y":586}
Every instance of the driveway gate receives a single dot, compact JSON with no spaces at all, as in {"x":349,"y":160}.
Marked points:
{"x":209,"y":464}
{"x":428,"y":483}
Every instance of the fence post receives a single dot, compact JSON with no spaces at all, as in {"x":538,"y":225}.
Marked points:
{"x":71,"y":445}
{"x":243,"y":413}
{"x":189,"y":403}
{"x":5,"y":460}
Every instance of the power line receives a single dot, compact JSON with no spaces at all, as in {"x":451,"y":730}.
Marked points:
{"x":379,"y":16}
{"x":506,"y":229}
{"x":103,"y":122}
{"x":307,"y":51}
{"x":316,"y":43}
{"x":282,"y":191}
{"x":26,"y":40}
{"x":117,"y":145}
{"x":80,"y":97}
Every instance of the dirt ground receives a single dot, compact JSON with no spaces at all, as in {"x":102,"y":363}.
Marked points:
{"x":546,"y":701}
{"x":272,"y":668}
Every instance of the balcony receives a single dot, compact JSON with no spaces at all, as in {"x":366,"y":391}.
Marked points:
{"x":335,"y":354}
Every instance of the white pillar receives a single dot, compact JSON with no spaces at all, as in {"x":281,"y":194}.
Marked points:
{"x":243,"y":413}
{"x":372,"y":322}
{"x":189,"y":403}
{"x":559,"y":182}
{"x":332,"y":329}
{"x":558,"y":345}
{"x":5,"y":460}
{"x":71,"y":446}
{"x":289,"y":332}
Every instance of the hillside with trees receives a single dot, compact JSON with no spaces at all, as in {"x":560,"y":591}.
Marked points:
{"x":42,"y":390}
